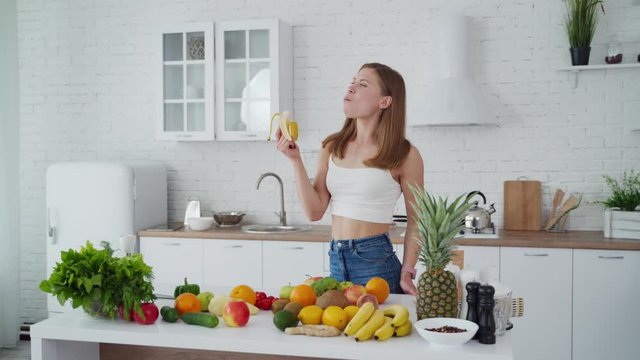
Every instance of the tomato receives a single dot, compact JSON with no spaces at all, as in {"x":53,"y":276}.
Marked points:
{"x":151,"y":313}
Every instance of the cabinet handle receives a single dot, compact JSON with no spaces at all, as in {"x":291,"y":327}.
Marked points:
{"x":611,"y":257}
{"x":295,"y":248}
{"x":184,"y":136}
{"x":250,"y":135}
{"x":234,"y":246}
{"x":172,"y":244}
{"x":528,"y":254}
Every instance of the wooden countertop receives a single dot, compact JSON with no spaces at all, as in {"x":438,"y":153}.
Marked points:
{"x":507,"y":238}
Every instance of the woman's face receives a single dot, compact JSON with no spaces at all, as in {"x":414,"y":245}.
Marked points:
{"x":364,"y":95}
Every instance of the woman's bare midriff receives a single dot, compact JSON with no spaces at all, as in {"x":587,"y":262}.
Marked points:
{"x":343,"y":228}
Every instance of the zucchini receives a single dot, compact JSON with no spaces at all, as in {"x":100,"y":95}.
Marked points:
{"x":201,"y":319}
{"x":169,"y":314}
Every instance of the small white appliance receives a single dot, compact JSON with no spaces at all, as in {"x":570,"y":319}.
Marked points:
{"x":100,"y":201}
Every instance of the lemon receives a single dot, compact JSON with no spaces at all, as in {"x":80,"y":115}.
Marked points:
{"x":351,"y":310}
{"x":334,"y":316}
{"x":311,"y":315}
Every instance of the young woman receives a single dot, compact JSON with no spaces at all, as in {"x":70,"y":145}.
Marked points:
{"x":362,"y":171}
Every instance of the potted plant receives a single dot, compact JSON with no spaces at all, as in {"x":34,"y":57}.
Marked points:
{"x":622,"y":215}
{"x":581,"y":22}
{"x":99,"y":282}
{"x":438,"y":223}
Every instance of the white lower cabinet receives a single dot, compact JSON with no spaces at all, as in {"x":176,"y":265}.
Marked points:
{"x":543,"y":277}
{"x":285,"y":262}
{"x":172,"y":259}
{"x":606,"y":319}
{"x":229,"y":263}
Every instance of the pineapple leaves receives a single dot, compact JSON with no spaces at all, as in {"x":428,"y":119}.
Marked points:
{"x":437,"y":222}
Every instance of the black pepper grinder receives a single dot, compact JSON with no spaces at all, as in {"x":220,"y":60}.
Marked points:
{"x":486,"y":322}
{"x":472,"y":303}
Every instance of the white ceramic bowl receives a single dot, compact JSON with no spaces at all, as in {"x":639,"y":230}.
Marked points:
{"x":446,"y":339}
{"x":200,"y":223}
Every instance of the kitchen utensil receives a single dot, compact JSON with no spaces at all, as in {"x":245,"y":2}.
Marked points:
{"x":228,"y":218}
{"x":200,"y":223}
{"x":193,"y":211}
{"x":446,"y":339}
{"x":570,"y":204}
{"x":557,"y":200}
{"x":478,"y":218}
{"x":522,"y":206}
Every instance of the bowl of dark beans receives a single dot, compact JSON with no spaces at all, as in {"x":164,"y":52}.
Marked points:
{"x":446,"y":331}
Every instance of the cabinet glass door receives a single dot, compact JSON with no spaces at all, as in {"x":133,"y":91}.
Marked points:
{"x":247,"y":80}
{"x":184,"y":81}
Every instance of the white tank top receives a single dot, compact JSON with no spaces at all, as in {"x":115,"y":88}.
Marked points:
{"x":366,"y":194}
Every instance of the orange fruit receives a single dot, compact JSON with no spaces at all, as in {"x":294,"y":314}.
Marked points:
{"x":335,"y":316}
{"x":379,"y":288}
{"x":303,"y":294}
{"x":245,"y":293}
{"x":187,"y":302}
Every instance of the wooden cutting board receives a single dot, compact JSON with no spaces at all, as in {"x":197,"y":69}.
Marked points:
{"x":522,"y":209}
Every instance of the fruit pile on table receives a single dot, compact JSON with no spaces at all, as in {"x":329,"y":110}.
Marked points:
{"x":320,"y":306}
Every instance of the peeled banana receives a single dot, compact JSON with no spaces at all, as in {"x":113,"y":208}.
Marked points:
{"x":403,"y":330}
{"x":359,"y":319}
{"x":385,"y":331}
{"x":287,"y":125}
{"x":399,"y":313}
{"x":375,"y":322}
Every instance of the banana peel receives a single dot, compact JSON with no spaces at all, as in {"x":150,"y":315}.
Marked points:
{"x":287,"y":125}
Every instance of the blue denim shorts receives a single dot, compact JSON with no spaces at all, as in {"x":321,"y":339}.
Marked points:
{"x":358,"y":260}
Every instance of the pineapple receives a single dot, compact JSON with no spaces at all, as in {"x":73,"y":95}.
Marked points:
{"x":437,"y":224}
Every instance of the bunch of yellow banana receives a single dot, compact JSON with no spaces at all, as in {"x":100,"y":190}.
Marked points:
{"x":288,"y":126}
{"x":379,"y":324}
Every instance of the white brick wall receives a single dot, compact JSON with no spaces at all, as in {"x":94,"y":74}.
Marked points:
{"x":86,"y":92}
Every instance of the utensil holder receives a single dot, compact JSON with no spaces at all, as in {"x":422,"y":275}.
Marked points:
{"x":561,"y":225}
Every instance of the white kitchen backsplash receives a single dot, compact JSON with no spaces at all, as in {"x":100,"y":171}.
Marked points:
{"x":87,"y":92}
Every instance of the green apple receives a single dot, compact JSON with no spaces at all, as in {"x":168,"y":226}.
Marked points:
{"x":285,"y":291}
{"x":345,"y":284}
{"x":205,"y":299}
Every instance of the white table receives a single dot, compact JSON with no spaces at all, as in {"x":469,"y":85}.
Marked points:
{"x":75,"y":335}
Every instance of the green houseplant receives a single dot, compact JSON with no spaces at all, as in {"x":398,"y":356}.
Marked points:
{"x":581,"y":22}
{"x":99,"y":282}
{"x":622,"y":215}
{"x":438,"y":222}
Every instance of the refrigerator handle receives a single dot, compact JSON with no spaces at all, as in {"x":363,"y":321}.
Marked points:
{"x":51,"y":230}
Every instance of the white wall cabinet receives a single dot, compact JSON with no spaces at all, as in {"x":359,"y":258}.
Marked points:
{"x":185,"y":81}
{"x":606,"y":319}
{"x":172,"y":260}
{"x":254,"y":76}
{"x":229,"y":263}
{"x":543,"y":277}
{"x":287,"y":262}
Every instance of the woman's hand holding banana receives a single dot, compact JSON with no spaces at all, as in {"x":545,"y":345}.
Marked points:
{"x":286,"y":135}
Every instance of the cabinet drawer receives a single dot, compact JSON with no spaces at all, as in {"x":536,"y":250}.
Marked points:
{"x":543,"y":278}
{"x":606,"y":321}
{"x":172,"y":260}
{"x":228,"y":263}
{"x":287,"y":262}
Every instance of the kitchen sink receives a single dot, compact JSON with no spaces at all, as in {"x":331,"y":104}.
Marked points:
{"x":273,"y":228}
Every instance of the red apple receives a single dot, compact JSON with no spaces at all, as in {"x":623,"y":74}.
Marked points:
{"x":367,"y":298}
{"x":236,"y":313}
{"x":354,"y":292}
{"x":150,"y":312}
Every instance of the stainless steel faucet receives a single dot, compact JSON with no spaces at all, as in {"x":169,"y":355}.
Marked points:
{"x":282,"y":215}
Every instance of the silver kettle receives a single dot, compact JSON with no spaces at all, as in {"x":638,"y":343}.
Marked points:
{"x":478,"y":218}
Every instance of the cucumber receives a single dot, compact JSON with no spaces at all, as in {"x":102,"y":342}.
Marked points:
{"x":169,"y":314}
{"x":201,"y":319}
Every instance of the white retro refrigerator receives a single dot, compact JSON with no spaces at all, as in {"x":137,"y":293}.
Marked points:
{"x":100,"y":201}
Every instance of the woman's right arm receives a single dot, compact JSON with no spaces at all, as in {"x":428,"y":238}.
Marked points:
{"x":314,"y":197}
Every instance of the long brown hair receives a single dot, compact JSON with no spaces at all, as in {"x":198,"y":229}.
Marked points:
{"x":393,"y":147}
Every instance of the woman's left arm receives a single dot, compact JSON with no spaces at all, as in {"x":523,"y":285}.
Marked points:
{"x":412,"y":174}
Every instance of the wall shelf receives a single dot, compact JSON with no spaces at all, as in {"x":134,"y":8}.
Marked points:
{"x":575,"y":70}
